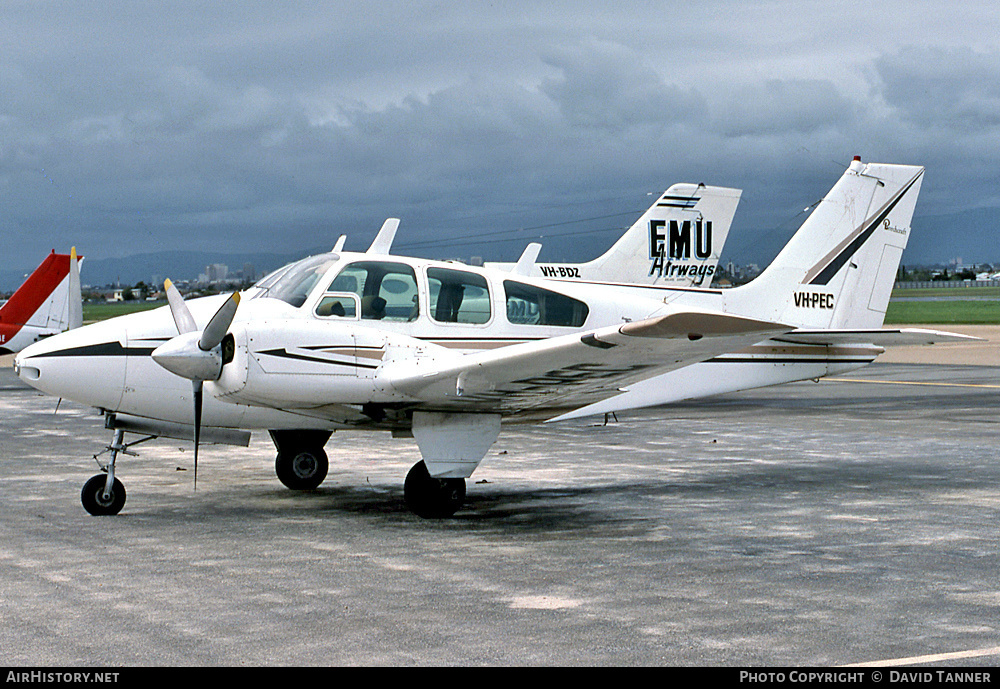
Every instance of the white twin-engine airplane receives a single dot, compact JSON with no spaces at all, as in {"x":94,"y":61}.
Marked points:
{"x":446,"y":353}
{"x":48,"y":302}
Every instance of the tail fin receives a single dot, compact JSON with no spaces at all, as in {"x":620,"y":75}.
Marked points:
{"x":839,"y":268}
{"x":46,"y":299}
{"x":676,"y":242}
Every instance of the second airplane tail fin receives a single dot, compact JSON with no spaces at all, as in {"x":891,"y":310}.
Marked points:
{"x":676,"y":242}
{"x":838,"y":270}
{"x":50,"y":298}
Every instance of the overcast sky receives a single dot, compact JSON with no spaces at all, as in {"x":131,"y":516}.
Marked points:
{"x":271,"y":125}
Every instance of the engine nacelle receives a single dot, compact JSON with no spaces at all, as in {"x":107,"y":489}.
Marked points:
{"x":301,"y":364}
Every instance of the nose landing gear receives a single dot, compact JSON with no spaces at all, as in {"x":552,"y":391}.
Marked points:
{"x":98,"y":500}
{"x":104,"y":495}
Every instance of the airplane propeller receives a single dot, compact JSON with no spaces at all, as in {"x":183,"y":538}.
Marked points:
{"x":195,"y":355}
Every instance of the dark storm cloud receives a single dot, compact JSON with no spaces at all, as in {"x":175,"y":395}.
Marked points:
{"x":953,"y":89}
{"x":609,"y":87}
{"x":782,"y":108}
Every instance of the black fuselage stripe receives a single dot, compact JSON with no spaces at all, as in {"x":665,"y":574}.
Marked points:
{"x":285,"y":354}
{"x":102,"y":349}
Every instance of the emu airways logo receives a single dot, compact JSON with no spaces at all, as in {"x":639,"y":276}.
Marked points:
{"x":677,"y":242}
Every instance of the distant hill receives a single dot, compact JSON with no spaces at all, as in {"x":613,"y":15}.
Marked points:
{"x":179,"y":265}
{"x":973,"y":236}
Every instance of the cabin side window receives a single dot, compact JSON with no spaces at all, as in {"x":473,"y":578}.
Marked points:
{"x":386,"y":291}
{"x":530,"y":305}
{"x":338,"y":304}
{"x":457,"y":296}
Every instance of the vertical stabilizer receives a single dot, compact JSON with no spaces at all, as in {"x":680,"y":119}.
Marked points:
{"x":48,"y":302}
{"x":42,"y":300}
{"x":837,"y":271}
{"x":676,"y":242}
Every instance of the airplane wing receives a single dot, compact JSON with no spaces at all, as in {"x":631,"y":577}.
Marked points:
{"x":572,"y":370}
{"x":662,"y":391}
{"x":882,"y":337}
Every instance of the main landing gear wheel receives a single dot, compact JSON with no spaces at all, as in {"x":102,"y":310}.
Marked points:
{"x":432,"y":498}
{"x":94,"y":500}
{"x":302,"y":469}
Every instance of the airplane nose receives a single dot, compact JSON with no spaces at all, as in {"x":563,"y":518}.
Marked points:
{"x":86,"y":365}
{"x":26,"y":363}
{"x":24,"y":369}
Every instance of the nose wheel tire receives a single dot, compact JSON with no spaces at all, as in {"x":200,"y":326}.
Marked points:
{"x":302,"y":469}
{"x":94,"y":500}
{"x":432,"y":498}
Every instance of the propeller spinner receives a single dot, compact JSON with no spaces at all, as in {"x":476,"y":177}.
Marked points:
{"x":195,"y":355}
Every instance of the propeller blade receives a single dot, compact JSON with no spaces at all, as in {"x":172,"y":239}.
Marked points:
{"x":198,"y":387}
{"x":216,"y":329}
{"x":179,"y":310}
{"x":180,"y":356}
{"x":75,"y":297}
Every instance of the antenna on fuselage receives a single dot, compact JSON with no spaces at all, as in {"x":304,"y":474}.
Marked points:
{"x":527,"y":260}
{"x":383,"y":240}
{"x":339,"y":246}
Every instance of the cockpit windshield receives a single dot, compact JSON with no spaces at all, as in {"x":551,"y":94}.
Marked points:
{"x":294,"y":285}
{"x":266,"y":282}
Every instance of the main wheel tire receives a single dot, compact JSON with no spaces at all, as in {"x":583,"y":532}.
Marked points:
{"x":92,"y":496}
{"x":432,"y":498}
{"x":302,"y":469}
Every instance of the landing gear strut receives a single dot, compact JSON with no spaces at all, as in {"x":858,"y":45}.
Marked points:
{"x":432,"y":498}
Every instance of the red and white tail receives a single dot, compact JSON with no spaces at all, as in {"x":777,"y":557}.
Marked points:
{"x":48,"y":302}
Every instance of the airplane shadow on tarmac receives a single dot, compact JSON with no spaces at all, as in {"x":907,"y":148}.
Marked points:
{"x":824,"y":486}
